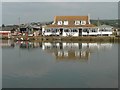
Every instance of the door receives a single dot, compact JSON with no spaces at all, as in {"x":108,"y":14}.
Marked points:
{"x":61,"y":31}
{"x":80,"y":31}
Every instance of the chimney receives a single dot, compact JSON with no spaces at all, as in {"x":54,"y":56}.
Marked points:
{"x":89,"y":19}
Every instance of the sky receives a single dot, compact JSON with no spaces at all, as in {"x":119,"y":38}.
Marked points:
{"x":60,"y":0}
{"x":45,"y":11}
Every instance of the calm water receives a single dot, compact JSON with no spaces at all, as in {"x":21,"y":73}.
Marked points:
{"x":59,"y":64}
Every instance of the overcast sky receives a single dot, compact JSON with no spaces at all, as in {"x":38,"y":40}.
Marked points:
{"x":60,"y":0}
{"x":45,"y":11}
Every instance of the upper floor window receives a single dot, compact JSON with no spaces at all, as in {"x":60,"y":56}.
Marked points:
{"x":77,"y":22}
{"x":83,"y":22}
{"x":65,"y":22}
{"x":59,"y":22}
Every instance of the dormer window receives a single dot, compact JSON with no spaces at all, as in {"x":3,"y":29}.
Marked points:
{"x":77,"y":22}
{"x":59,"y":22}
{"x":65,"y":22}
{"x":83,"y":22}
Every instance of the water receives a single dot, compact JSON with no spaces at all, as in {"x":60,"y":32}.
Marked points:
{"x":59,"y":64}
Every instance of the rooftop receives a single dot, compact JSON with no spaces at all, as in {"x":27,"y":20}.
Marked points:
{"x":71,"y":21}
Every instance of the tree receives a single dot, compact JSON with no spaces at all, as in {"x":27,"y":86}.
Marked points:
{"x":3,"y":25}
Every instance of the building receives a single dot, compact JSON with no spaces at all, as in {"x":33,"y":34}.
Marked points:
{"x":9,"y":27}
{"x":70,"y":26}
{"x":105,"y":30}
{"x":8,"y":31}
{"x":5,"y":34}
{"x":36,"y":30}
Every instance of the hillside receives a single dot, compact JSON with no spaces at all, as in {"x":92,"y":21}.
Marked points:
{"x":113,"y":23}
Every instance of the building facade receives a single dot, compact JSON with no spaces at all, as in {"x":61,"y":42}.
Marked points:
{"x":105,"y":30}
{"x":5,"y":34}
{"x":70,"y":26}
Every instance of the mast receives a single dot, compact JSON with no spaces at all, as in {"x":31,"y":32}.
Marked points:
{"x":98,"y":23}
{"x":19,"y":23}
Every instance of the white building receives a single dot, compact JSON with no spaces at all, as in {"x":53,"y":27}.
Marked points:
{"x":70,"y":26}
{"x":105,"y":30}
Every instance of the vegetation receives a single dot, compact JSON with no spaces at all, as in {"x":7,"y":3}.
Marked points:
{"x":113,"y":23}
{"x":3,"y":25}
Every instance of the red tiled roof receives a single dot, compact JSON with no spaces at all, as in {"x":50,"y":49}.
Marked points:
{"x":71,"y":18}
{"x":71,"y":21}
{"x":56,"y":26}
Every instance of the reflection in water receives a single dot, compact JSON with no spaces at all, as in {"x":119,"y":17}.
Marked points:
{"x":28,"y":45}
{"x":6,"y":44}
{"x":73,"y":51}
{"x":62,"y":50}
{"x":66,"y":51}
{"x":43,"y":62}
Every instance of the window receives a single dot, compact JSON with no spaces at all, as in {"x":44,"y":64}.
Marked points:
{"x":66,"y":30}
{"x":94,"y":30}
{"x":77,"y":22}
{"x":83,"y":22}
{"x":54,"y":30}
{"x":74,"y":30}
{"x":48,"y":30}
{"x":85,"y":30}
{"x":65,"y":22}
{"x":59,"y":22}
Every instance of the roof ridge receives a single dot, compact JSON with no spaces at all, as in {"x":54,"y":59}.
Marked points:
{"x":70,"y":16}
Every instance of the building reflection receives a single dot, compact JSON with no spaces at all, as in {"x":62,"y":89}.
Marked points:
{"x":65,"y":51}
{"x":72,"y":55}
{"x":28,"y":45}
{"x":7,"y":44}
{"x":74,"y":51}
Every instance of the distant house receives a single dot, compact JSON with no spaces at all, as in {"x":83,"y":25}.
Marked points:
{"x":70,"y":26}
{"x":9,"y":28}
{"x":37,"y":30}
{"x":23,"y":28}
{"x":105,"y":30}
{"x":6,"y":34}
{"x":6,"y":31}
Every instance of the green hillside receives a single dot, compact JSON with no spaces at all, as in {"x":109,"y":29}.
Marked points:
{"x":113,"y":23}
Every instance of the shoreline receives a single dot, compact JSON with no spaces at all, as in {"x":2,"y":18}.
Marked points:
{"x":59,"y":38}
